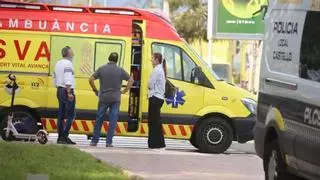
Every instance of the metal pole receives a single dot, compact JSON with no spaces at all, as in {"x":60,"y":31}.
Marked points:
{"x":210,"y":52}
{"x":166,"y":8}
{"x":210,"y":32}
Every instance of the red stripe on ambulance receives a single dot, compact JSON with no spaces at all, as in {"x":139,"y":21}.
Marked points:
{"x":85,"y":126}
{"x":75,"y":126}
{"x":105,"y":126}
{"x":118,"y":131}
{"x":44,"y":123}
{"x":183,"y":131}
{"x":172,"y":131}
{"x":191,"y":128}
{"x":142,"y":131}
{"x":53,"y":124}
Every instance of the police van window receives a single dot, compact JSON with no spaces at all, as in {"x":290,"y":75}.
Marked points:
{"x":188,"y":66}
{"x":103,"y":50}
{"x":172,"y":56}
{"x":310,"y":48}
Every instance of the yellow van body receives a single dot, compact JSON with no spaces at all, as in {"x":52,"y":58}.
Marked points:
{"x":211,"y":113}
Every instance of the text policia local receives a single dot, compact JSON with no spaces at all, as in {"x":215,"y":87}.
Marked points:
{"x":284,"y":29}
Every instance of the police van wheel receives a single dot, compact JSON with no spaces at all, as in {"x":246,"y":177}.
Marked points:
{"x":214,"y":135}
{"x":275,"y":168}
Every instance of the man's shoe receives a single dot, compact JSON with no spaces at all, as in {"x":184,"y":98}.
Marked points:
{"x":159,"y":149}
{"x":69,"y":141}
{"x":109,"y":145}
{"x":61,"y":140}
{"x":93,"y":144}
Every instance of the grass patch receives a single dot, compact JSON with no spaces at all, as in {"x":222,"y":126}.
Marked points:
{"x":58,"y":162}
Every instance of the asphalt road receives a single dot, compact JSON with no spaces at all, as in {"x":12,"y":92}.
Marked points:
{"x":180,"y":160}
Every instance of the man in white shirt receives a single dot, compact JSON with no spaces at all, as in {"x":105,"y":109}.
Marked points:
{"x":64,"y":81}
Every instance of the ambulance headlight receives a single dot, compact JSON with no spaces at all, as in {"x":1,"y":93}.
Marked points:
{"x":250,"y":104}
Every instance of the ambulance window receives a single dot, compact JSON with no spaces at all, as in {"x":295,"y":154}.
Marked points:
{"x":103,"y":50}
{"x":310,"y":48}
{"x":188,"y":66}
{"x":83,"y":50}
{"x":173,"y":59}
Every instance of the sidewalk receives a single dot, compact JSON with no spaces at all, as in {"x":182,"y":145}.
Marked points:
{"x":180,"y":161}
{"x":178,"y":164}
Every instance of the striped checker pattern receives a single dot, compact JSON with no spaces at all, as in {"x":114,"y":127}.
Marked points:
{"x":86,"y":127}
{"x":170,"y":130}
{"x":86,"y":68}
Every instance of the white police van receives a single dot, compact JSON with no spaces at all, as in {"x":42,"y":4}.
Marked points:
{"x":287,"y":131}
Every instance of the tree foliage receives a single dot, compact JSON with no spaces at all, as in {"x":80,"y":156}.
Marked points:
{"x":189,"y":18}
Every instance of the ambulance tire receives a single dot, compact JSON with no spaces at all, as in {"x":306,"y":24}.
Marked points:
{"x":25,"y":122}
{"x":275,"y":166}
{"x":214,"y":135}
{"x":193,"y":140}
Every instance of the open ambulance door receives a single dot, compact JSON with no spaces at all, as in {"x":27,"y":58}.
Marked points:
{"x":135,"y":71}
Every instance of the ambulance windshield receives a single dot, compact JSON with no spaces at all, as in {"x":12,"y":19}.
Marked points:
{"x":203,"y":63}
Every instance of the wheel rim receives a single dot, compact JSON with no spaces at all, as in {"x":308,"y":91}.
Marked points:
{"x":42,"y":138}
{"x":272,"y":166}
{"x":214,"y":135}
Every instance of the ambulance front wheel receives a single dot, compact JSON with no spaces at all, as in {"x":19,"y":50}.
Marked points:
{"x":193,"y":140}
{"x":214,"y":135}
{"x":24,"y":121}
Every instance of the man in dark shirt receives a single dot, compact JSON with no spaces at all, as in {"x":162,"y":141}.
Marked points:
{"x":110,"y":77}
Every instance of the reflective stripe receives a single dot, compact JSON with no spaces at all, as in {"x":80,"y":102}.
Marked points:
{"x":68,"y":69}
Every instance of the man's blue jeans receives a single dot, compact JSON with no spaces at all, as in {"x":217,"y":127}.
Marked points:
{"x":66,"y":109}
{"x":113,"y":118}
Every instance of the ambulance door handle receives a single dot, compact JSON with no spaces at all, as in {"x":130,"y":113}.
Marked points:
{"x":282,"y":84}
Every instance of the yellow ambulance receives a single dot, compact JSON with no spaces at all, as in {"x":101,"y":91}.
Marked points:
{"x":205,"y":110}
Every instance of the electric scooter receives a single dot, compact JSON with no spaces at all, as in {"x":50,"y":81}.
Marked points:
{"x":10,"y":132}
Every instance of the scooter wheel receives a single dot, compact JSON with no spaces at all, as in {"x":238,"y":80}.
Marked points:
{"x":7,"y":138}
{"x":42,"y":137}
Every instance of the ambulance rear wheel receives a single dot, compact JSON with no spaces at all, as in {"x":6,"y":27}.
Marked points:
{"x":23,"y":121}
{"x":214,"y":135}
{"x":193,"y":140}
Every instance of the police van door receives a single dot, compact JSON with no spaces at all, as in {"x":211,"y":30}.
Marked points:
{"x":291,"y":83}
{"x":307,"y":126}
{"x":279,"y":75}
